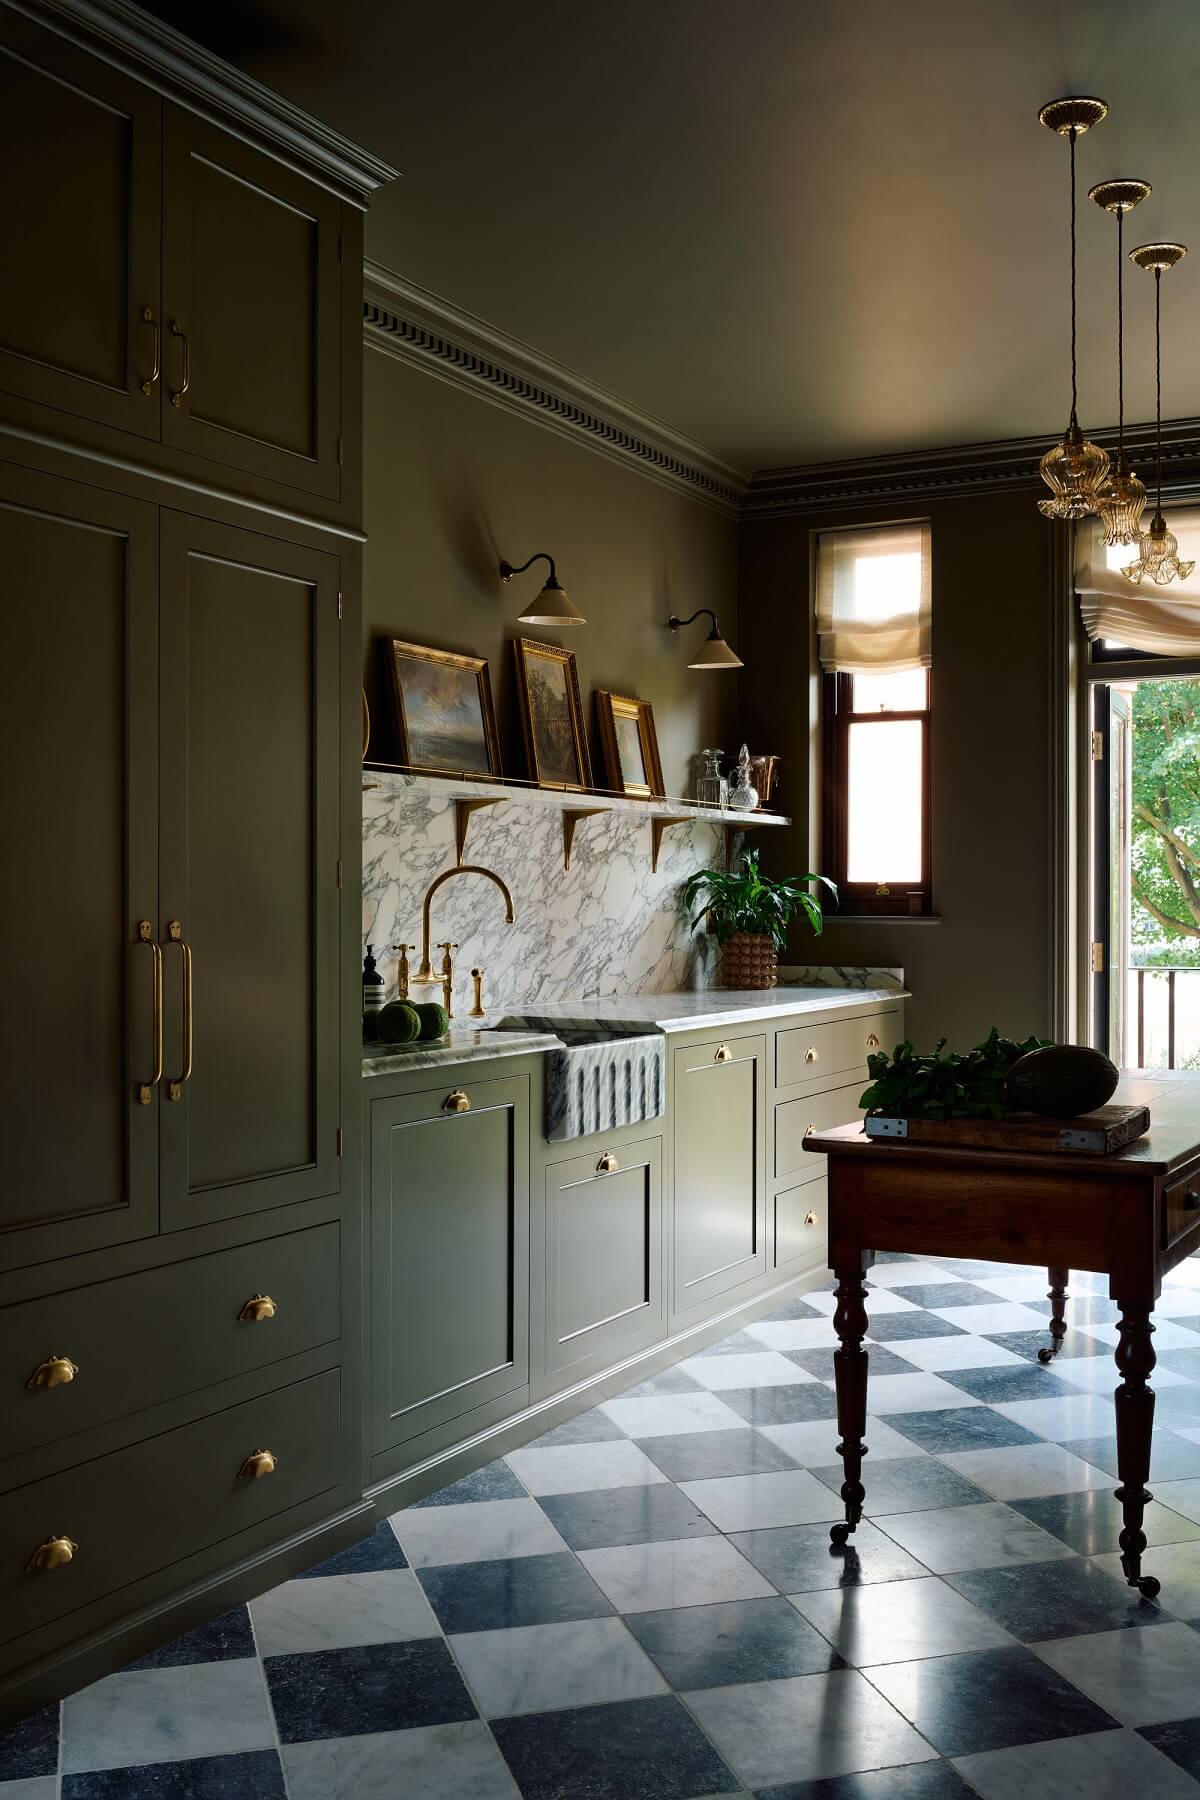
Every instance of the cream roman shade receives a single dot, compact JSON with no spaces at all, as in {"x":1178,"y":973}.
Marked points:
{"x":1164,"y":620}
{"x":873,"y":599}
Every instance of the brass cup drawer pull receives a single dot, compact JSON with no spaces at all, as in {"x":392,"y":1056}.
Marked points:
{"x":52,"y":1554}
{"x":263,"y":1462}
{"x":872,"y":1041}
{"x":457,"y":1102}
{"x":723,"y":1053}
{"x":812,"y":1054}
{"x":258,"y":1309}
{"x":56,"y":1371}
{"x":810,"y":1218}
{"x":608,"y":1164}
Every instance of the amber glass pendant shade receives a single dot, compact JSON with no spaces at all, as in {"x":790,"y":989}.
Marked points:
{"x":1158,"y":557}
{"x":1120,"y":504}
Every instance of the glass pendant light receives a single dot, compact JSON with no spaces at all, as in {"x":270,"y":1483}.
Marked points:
{"x":1074,"y":468}
{"x":1122,"y":498}
{"x":1158,"y":558}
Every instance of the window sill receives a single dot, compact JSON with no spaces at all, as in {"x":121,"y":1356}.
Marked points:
{"x":883,"y":919}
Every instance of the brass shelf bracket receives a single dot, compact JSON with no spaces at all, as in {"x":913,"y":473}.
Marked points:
{"x":463,"y":809}
{"x":570,"y":819}
{"x":657,"y":826}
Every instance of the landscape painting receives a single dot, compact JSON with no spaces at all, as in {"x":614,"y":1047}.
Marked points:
{"x":630,"y":744}
{"x":552,"y":716}
{"x":443,"y":711}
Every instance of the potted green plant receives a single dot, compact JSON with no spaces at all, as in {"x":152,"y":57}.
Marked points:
{"x":750,"y":914}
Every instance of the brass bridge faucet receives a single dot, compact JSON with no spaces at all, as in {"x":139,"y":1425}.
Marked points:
{"x":425,"y":973}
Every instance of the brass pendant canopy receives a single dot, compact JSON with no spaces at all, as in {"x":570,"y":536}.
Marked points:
{"x":1076,"y":113}
{"x":1120,"y":196}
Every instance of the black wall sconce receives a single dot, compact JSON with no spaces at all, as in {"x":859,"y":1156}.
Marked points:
{"x":714,"y":652}
{"x":553,"y":605}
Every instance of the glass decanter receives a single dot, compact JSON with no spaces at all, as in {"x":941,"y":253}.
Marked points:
{"x":711,"y":786}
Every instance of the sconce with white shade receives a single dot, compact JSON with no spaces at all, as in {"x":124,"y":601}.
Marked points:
{"x":714,"y":652}
{"x":553,"y":606}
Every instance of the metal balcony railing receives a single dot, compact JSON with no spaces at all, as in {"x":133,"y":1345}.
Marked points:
{"x":1164,"y":1001}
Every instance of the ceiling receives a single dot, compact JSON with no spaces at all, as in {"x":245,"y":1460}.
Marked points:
{"x":796,"y":230}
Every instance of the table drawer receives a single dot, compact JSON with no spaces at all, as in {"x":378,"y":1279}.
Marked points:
{"x":811,"y":1052}
{"x":133,"y":1512}
{"x":1181,"y":1207}
{"x":794,"y":1119}
{"x":141,"y":1339}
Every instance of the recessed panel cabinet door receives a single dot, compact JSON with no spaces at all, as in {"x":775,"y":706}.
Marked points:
{"x":450,"y":1254}
{"x":604,"y":1282}
{"x":78,"y":821}
{"x":249,"y":906}
{"x":719,"y":1230}
{"x":251,"y":280}
{"x":79,"y":222}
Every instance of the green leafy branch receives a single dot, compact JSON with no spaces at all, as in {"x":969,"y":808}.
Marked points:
{"x":905,"y":1085}
{"x":744,"y":901}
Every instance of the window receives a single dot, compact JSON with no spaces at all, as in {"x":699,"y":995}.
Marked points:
{"x":873,"y":621}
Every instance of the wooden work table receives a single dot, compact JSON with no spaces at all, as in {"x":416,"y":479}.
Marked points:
{"x":1131,"y":1216}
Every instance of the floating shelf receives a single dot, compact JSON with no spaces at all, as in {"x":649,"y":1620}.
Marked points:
{"x":469,"y":795}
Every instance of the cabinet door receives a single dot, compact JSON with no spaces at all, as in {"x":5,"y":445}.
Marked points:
{"x":251,"y":1105}
{"x":79,"y":219}
{"x":78,"y":801}
{"x":450,"y":1241}
{"x":251,"y":280}
{"x":604,"y":1283}
{"x":719,"y":1222}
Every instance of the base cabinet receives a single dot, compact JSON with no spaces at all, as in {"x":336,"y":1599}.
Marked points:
{"x":450,"y":1253}
{"x":719,"y":1214}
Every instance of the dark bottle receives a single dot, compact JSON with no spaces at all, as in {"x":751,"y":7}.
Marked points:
{"x":373,"y":995}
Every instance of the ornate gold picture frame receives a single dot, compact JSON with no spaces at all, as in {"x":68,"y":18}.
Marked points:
{"x":556,"y":749}
{"x":630,"y":745}
{"x":442,"y":706}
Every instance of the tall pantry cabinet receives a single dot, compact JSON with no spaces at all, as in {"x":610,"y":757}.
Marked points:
{"x":180,"y":532}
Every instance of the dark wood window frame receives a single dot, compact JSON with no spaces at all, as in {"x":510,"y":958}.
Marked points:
{"x":863,"y":898}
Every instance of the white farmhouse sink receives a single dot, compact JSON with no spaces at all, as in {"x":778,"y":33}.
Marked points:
{"x":604,"y":1076}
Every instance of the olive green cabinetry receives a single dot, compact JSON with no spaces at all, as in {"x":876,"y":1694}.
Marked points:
{"x":181,"y":1309}
{"x":718,"y":1130}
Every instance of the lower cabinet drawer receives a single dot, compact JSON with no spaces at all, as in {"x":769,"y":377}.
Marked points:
{"x":141,"y":1339}
{"x":121,"y":1517}
{"x":800,"y":1229}
{"x":811,"y":1052}
{"x":794,"y":1119}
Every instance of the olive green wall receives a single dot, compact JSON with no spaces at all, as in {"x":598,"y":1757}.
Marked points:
{"x":987,"y":961}
{"x":453,"y":484}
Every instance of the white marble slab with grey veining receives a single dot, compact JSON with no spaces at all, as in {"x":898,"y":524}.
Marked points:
{"x":459,"y":1045}
{"x":715,"y":1006}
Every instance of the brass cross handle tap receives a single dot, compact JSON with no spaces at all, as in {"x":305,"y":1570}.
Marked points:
{"x":478,"y":1010}
{"x":448,"y":977}
{"x":402,"y":972}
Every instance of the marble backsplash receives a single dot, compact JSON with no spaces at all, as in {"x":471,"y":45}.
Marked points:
{"x":607,"y":925}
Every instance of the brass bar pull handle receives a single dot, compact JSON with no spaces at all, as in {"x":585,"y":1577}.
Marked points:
{"x":177,"y":331}
{"x":175,"y":1087}
{"x":723,"y":1053}
{"x":145,"y":935}
{"x":148,"y":318}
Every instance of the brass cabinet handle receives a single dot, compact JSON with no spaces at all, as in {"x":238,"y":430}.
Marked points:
{"x":723,"y":1053}
{"x":148,"y":318}
{"x":872,"y":1041}
{"x":456,"y":1102}
{"x":811,"y":1054}
{"x":258,"y":1309}
{"x":52,"y":1554}
{"x":808,"y":1130}
{"x":145,"y":935}
{"x":608,"y":1164}
{"x":175,"y":1087}
{"x":56,"y":1371}
{"x":810,"y":1218}
{"x":263,"y":1462}
{"x":177,"y":331}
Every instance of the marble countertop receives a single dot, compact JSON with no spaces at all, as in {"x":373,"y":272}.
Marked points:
{"x":712,"y":1006}
{"x":461,"y":1044}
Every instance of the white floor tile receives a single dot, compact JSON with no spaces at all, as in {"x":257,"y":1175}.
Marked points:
{"x":879,"y":1302}
{"x":682,"y":1572}
{"x":538,"y":1668}
{"x":1178,"y":1568}
{"x":895,"y":1621}
{"x":331,"y":1612}
{"x":770,"y":1732}
{"x":1024,"y":1471}
{"x":1098,"y":1374}
{"x":957,"y":1352}
{"x":985,"y":1320}
{"x":1167,"y":1335}
{"x":581,"y":1468}
{"x":919,"y":1392}
{"x":1140,"y":1677}
{"x":481,"y":1532}
{"x":814,"y":1442}
{"x":1082,"y":1415}
{"x":667,"y":1414}
{"x":1015,"y":1287}
{"x":953,"y":1538}
{"x":909,"y":1274}
{"x":160,"y":1715}
{"x":1186,"y":1273}
{"x":1103,"y":1765}
{"x":1180,"y":1496}
{"x":434,"y":1762}
{"x":795,"y":1334}
{"x":758,"y":1502}
{"x":737,"y":1370}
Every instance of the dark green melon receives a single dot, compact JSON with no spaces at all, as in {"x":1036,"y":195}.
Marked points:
{"x":397,"y":1023}
{"x":434,"y":1019}
{"x":1061,"y":1081}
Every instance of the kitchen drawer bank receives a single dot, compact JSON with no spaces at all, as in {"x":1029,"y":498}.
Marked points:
{"x":517,"y":1281}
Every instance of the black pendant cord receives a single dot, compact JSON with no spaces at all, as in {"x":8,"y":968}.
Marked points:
{"x":1072,"y":134}
{"x":1120,"y":339}
{"x":1158,"y":391}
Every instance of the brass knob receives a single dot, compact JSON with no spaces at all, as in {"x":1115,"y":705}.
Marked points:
{"x":258,"y":1308}
{"x":456,"y":1102}
{"x":811,"y":1055}
{"x":608,"y":1164}
{"x":872,"y":1041}
{"x":52,"y":1554}
{"x":54,"y":1372}
{"x":256,"y":1466}
{"x":723,"y":1053}
{"x":810,"y":1218}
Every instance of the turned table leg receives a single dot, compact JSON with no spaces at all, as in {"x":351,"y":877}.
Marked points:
{"x":850,"y":1373}
{"x":1134,"y":1401}
{"x":1058,"y":1323}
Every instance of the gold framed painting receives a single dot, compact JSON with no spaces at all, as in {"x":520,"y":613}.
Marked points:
{"x":630,"y":745}
{"x":556,"y":749}
{"x":442,"y":704}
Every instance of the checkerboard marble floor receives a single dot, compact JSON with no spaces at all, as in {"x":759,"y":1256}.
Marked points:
{"x":644,"y":1604}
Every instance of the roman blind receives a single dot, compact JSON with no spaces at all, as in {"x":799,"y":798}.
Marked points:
{"x":873,"y":599}
{"x":1140,"y":616}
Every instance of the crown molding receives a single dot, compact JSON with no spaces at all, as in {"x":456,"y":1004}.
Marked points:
{"x":156,"y":54}
{"x":419,"y":328}
{"x":965,"y":469}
